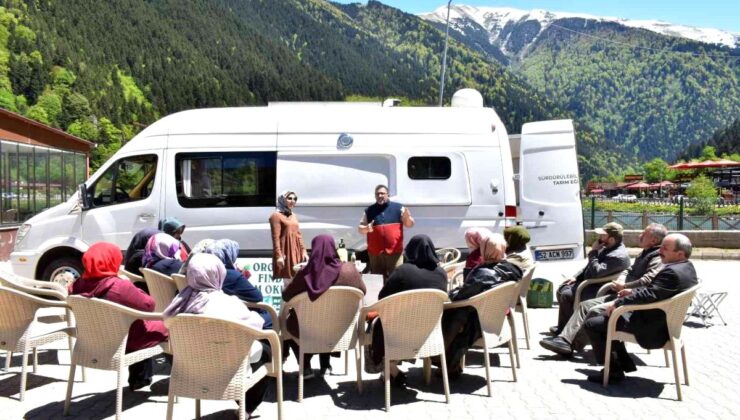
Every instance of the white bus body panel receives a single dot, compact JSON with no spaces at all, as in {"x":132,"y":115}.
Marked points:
{"x":334,"y":184}
{"x":550,"y":204}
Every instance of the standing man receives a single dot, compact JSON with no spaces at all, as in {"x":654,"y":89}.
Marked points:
{"x":649,"y":327}
{"x":641,"y":273}
{"x":608,"y":256}
{"x":383,"y":223}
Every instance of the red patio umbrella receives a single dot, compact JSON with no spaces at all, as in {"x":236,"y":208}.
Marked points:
{"x":638,"y":186}
{"x":662,"y":184}
{"x":722,"y":163}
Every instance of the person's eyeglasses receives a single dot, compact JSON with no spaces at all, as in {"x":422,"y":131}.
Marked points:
{"x":291,"y":198}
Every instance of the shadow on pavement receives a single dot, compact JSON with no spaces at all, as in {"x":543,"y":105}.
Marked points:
{"x":80,"y":403}
{"x":11,"y":386}
{"x":46,"y":357}
{"x":631,"y":387}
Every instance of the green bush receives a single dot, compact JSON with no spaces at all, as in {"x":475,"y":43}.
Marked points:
{"x":703,"y":192}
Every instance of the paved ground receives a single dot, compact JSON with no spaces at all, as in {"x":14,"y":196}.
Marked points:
{"x":548,"y":386}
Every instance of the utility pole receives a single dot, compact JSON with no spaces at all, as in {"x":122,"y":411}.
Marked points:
{"x":444,"y":57}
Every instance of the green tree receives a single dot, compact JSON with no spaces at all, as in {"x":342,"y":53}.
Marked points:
{"x":702,"y":191}
{"x":656,"y":170}
{"x":708,"y":153}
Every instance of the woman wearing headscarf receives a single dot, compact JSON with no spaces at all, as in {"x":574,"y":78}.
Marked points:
{"x":460,"y":326}
{"x":324,"y":269}
{"x":287,"y":242}
{"x":420,"y":270}
{"x":201,"y":246}
{"x":474,"y":237}
{"x":162,"y":254}
{"x":517,"y":251}
{"x":204,"y":296}
{"x":100,"y":280}
{"x":135,"y":250}
{"x":175,"y":228}
{"x":236,"y":283}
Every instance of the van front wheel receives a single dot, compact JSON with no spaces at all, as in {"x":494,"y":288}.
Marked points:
{"x":63,"y":271}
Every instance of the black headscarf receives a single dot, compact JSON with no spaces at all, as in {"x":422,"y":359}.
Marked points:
{"x":136,"y":249}
{"x":420,"y":252}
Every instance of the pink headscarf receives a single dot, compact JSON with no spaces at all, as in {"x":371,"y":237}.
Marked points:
{"x":161,"y":246}
{"x":493,"y":248}
{"x":474,"y":237}
{"x":206,"y":274}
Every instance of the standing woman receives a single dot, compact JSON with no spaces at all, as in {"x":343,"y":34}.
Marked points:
{"x":287,"y":242}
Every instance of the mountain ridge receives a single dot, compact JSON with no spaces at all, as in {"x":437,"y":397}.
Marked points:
{"x":495,"y":20}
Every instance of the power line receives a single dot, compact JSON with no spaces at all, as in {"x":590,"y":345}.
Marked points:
{"x":611,"y":41}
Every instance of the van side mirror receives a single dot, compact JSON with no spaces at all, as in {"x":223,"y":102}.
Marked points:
{"x":83,"y":198}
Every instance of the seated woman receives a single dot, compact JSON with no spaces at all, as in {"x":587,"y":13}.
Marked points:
{"x":174,"y":227}
{"x":323,"y":270}
{"x":517,"y":251}
{"x":100,"y":280}
{"x":162,"y":254}
{"x":460,"y":326}
{"x":200,"y":247}
{"x":473,"y":238}
{"x":135,"y":250}
{"x":420,"y":270}
{"x":236,"y":284}
{"x":205,"y":275}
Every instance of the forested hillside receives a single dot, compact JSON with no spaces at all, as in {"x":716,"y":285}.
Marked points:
{"x":725,"y":141}
{"x":644,"y":94}
{"x":105,"y":70}
{"x":650,"y":95}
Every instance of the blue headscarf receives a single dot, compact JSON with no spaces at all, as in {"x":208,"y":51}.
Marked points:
{"x":226,"y":250}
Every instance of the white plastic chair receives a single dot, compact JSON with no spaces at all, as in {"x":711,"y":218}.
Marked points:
{"x":102,"y":333}
{"x":412,"y":329}
{"x":521,"y":301}
{"x":587,"y":282}
{"x":134,"y":278}
{"x":161,"y":287}
{"x":226,"y":375}
{"x":326,"y":325}
{"x":675,"y":310}
{"x":491,"y":307}
{"x":20,"y":330}
{"x":448,"y":256}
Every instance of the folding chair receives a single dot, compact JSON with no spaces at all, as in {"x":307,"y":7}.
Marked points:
{"x":705,"y":305}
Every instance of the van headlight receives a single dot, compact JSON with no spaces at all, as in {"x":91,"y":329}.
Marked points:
{"x":22,"y":232}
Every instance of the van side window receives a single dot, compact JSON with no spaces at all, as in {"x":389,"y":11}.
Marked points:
{"x":429,"y":167}
{"x":129,"y":179}
{"x":225,"y":179}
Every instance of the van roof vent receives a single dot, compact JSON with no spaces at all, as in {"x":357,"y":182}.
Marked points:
{"x":467,"y":98}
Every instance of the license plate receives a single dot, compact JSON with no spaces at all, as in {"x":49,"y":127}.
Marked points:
{"x":554,"y":254}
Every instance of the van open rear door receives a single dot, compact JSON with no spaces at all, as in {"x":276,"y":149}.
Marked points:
{"x":550,"y":204}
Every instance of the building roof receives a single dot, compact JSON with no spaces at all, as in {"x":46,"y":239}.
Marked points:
{"x":17,"y":128}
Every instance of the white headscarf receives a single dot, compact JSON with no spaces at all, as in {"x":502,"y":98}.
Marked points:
{"x":282,"y":202}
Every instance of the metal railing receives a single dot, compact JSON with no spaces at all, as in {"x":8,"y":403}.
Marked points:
{"x":676,"y":217}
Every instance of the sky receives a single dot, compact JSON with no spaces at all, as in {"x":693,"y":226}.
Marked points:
{"x":719,"y":14}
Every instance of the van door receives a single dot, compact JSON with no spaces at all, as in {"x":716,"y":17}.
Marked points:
{"x":125,"y":200}
{"x":550,"y":204}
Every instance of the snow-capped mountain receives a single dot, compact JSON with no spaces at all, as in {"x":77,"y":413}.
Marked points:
{"x":503,"y":23}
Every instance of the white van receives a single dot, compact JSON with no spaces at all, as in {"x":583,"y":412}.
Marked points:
{"x":219,"y":171}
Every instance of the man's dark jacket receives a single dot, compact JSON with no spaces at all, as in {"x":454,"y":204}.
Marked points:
{"x":649,"y":327}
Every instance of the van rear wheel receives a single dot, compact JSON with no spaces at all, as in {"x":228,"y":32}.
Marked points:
{"x":57,"y":271}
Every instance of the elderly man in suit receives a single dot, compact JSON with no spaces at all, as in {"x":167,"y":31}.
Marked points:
{"x":649,"y":327}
